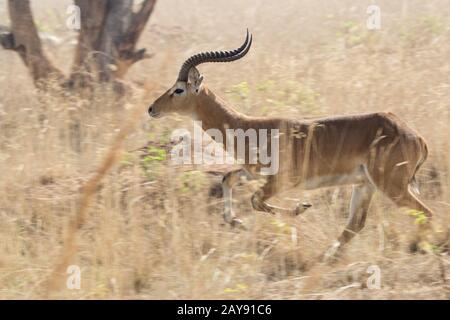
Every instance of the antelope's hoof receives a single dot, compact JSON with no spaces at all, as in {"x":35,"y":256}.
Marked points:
{"x":332,"y":253}
{"x":237,"y":223}
{"x":302,"y":207}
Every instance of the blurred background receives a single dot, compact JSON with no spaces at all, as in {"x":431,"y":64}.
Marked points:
{"x":154,"y":231}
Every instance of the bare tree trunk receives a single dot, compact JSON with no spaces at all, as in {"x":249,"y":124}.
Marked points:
{"x":23,"y":38}
{"x":107,"y":41}
{"x":93,"y":14}
{"x":106,"y":46}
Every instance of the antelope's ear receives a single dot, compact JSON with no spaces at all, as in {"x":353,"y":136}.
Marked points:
{"x":195,"y":79}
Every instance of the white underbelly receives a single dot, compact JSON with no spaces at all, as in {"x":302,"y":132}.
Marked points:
{"x":355,"y":177}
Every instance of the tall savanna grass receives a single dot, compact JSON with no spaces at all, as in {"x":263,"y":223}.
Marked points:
{"x":155,"y":231}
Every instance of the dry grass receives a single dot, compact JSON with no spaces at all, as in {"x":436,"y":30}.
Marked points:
{"x":151,"y":231}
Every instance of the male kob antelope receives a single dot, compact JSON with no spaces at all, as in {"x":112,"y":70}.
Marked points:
{"x":375,"y":151}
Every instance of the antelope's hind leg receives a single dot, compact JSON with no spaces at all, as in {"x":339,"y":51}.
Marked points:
{"x":359,"y":206}
{"x":403,"y":197}
{"x":398,"y":188}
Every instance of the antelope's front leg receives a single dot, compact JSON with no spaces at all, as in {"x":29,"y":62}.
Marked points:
{"x":228,"y":181}
{"x":266,"y":192}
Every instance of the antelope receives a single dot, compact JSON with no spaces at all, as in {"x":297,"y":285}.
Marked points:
{"x":373,"y":151}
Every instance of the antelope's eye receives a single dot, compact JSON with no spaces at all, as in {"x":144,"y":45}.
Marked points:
{"x":178,"y":91}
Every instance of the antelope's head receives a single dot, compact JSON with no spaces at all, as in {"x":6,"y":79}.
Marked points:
{"x":181,"y":98}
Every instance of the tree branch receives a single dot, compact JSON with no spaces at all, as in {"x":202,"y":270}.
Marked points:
{"x":127,"y":45}
{"x":139,"y":20}
{"x":6,"y":38}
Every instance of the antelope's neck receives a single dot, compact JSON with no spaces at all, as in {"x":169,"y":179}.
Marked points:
{"x":214,"y":113}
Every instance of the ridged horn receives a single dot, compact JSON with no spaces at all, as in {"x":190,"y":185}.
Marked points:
{"x":214,"y":56}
